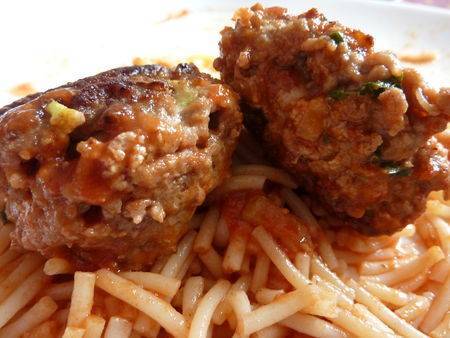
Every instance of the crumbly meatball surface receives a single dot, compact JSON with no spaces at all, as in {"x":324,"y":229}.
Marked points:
{"x":109,"y":169}
{"x":353,"y":126}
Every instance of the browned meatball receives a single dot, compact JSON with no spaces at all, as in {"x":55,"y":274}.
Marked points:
{"x":347,"y":121}
{"x":111,"y":168}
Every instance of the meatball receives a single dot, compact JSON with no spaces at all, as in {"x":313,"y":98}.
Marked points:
{"x":108,"y":170}
{"x":353,"y":126}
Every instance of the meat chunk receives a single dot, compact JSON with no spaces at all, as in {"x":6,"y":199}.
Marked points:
{"x":353,"y":126}
{"x":111,"y":168}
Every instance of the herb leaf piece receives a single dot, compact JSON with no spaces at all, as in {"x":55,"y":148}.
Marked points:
{"x":374,"y":88}
{"x":337,"y":37}
{"x":338,"y":94}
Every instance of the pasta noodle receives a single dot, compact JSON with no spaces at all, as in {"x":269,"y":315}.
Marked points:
{"x":5,"y":230}
{"x":118,"y":328}
{"x":223,"y":310}
{"x":313,"y":326}
{"x":281,"y":308}
{"x":82,"y":298}
{"x":439,"y":307}
{"x":21,"y":296}
{"x":303,"y":263}
{"x":192,"y":292}
{"x":279,"y":258}
{"x":207,"y":230}
{"x":94,"y":327}
{"x":167,"y":286}
{"x":57,"y":266}
{"x":234,"y":255}
{"x":266,"y":296}
{"x":38,"y":313}
{"x":273,"y":174}
{"x":385,"y":314}
{"x":261,"y":272}
{"x":143,"y":300}
{"x":205,"y":310}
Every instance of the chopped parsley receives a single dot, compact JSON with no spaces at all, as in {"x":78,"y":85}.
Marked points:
{"x":338,"y":94}
{"x":389,"y":167}
{"x":396,"y":81}
{"x":337,"y":37}
{"x":375,"y":88}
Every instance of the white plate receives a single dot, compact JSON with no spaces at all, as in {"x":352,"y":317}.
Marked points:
{"x":47,"y":43}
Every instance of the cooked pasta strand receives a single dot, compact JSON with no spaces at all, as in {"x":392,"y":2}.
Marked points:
{"x":118,"y":328}
{"x":166,"y":286}
{"x":73,"y":332}
{"x":273,"y":174}
{"x":320,"y":269}
{"x":213,"y":262}
{"x":207,"y":230}
{"x":205,"y":310}
{"x":57,"y":266}
{"x":303,"y":263}
{"x":357,"y":326}
{"x":224,"y":308}
{"x":23,"y":294}
{"x":37,"y":314}
{"x":94,"y":327}
{"x":8,"y":256}
{"x":175,"y":261}
{"x":438,"y":309}
{"x":5,"y":230}
{"x":29,"y":264}
{"x":234,"y":255}
{"x":82,"y":298}
{"x":313,"y":326}
{"x":414,"y":308}
{"x":279,"y":258}
{"x":281,"y":308}
{"x":388,"y":294}
{"x":151,"y":305}
{"x":410,"y":269}
{"x":383,"y":313}
{"x":267,"y":296}
{"x":192,"y":292}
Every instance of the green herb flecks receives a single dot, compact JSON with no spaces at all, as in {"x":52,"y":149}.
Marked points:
{"x":338,"y":94}
{"x":337,"y":37}
{"x":375,"y":88}
{"x":389,"y":167}
{"x":396,"y":81}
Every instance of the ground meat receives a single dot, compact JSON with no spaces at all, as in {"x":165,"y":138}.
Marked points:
{"x":111,"y":168}
{"x":348,"y":122}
